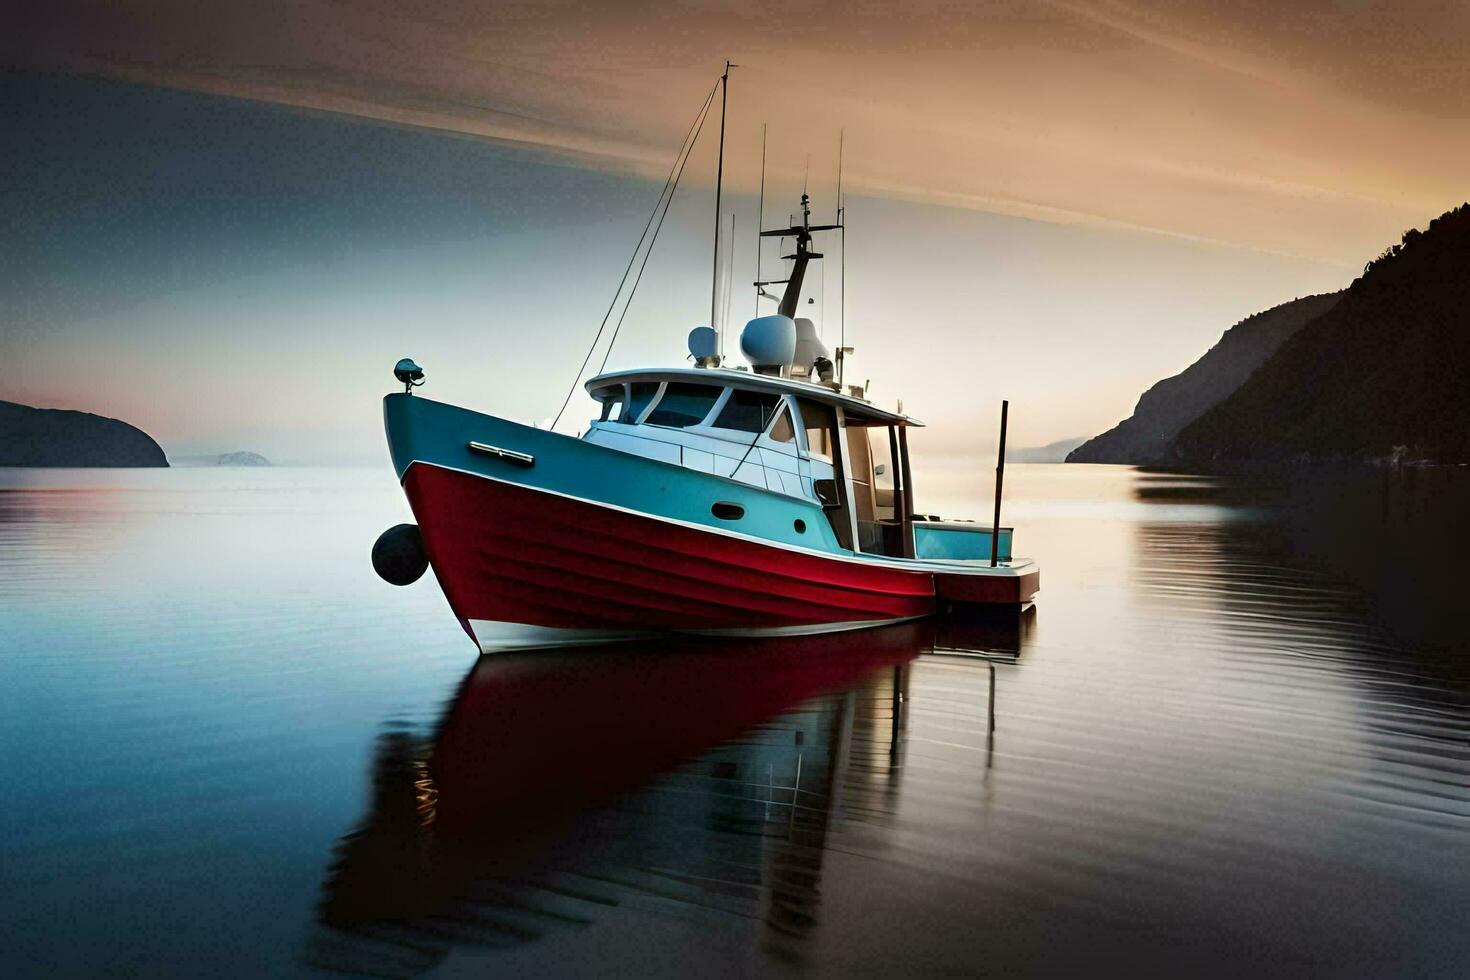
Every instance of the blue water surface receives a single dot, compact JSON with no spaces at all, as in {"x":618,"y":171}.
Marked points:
{"x":1224,"y":741}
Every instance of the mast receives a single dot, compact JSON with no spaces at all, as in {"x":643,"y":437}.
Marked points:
{"x":714,"y":285}
{"x":802,"y":232}
{"x":792,"y":294}
{"x":803,"y":254}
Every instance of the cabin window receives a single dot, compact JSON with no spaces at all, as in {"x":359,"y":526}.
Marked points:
{"x":684,"y":405}
{"x":612,"y":402}
{"x":783,"y":431}
{"x":819,"y":422}
{"x":641,"y":393}
{"x":883,"y":461}
{"x":748,"y":411}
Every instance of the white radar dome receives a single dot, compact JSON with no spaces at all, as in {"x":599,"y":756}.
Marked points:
{"x":809,"y":348}
{"x":769,"y":343}
{"x":704,"y":346}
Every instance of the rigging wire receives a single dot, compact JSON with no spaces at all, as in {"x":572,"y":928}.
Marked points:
{"x":780,"y":407}
{"x":649,"y":251}
{"x":670,"y":183}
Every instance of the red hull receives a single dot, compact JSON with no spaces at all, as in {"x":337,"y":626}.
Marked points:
{"x":509,"y":553}
{"x":505,"y":746}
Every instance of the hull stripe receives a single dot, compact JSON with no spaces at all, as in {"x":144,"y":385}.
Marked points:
{"x":499,"y":637}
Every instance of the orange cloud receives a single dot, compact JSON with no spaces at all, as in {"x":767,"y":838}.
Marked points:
{"x":1314,"y":131}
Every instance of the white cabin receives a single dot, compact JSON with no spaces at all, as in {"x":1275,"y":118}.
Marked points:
{"x":788,"y":436}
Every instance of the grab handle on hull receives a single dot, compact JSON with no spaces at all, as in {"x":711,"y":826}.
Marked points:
{"x":509,"y":455}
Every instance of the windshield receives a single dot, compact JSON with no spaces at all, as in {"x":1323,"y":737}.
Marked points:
{"x":684,"y":405}
{"x":748,"y":411}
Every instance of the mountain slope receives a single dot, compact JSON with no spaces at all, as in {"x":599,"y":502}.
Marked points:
{"x":1384,"y":374}
{"x":1170,"y":405}
{"x":51,"y":437}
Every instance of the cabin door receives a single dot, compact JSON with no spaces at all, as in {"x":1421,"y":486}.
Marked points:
{"x":875,"y":456}
{"x":826,"y":460}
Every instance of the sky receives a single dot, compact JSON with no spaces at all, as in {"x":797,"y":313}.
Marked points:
{"x":226,"y":224}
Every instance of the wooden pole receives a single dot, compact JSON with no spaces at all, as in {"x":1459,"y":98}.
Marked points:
{"x":1000,"y":476}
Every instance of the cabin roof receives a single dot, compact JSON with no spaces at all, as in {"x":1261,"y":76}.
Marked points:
{"x":857,"y":409}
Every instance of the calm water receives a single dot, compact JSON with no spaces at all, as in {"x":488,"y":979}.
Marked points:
{"x":1232,"y":736}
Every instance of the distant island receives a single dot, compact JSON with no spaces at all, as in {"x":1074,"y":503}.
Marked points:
{"x":223,"y":459}
{"x":1052,"y":452}
{"x":55,"y":437}
{"x":242,"y":459}
{"x":1147,"y":436}
{"x":1379,"y":374}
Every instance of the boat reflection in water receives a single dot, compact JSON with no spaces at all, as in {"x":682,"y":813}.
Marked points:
{"x":695,"y":778}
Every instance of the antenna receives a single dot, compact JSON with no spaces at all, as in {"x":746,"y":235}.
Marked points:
{"x":790,"y":223}
{"x":821,"y":300}
{"x":714,"y":286}
{"x":760,"y":216}
{"x":842,"y":262}
{"x":841,"y":138}
{"x":729,"y":283}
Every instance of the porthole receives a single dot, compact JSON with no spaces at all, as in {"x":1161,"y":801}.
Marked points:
{"x":800,"y":525}
{"x":727,"y":511}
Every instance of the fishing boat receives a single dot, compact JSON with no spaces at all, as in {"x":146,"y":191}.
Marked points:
{"x":768,"y":498}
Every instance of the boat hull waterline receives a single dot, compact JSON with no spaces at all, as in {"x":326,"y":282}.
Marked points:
{"x":552,"y":549}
